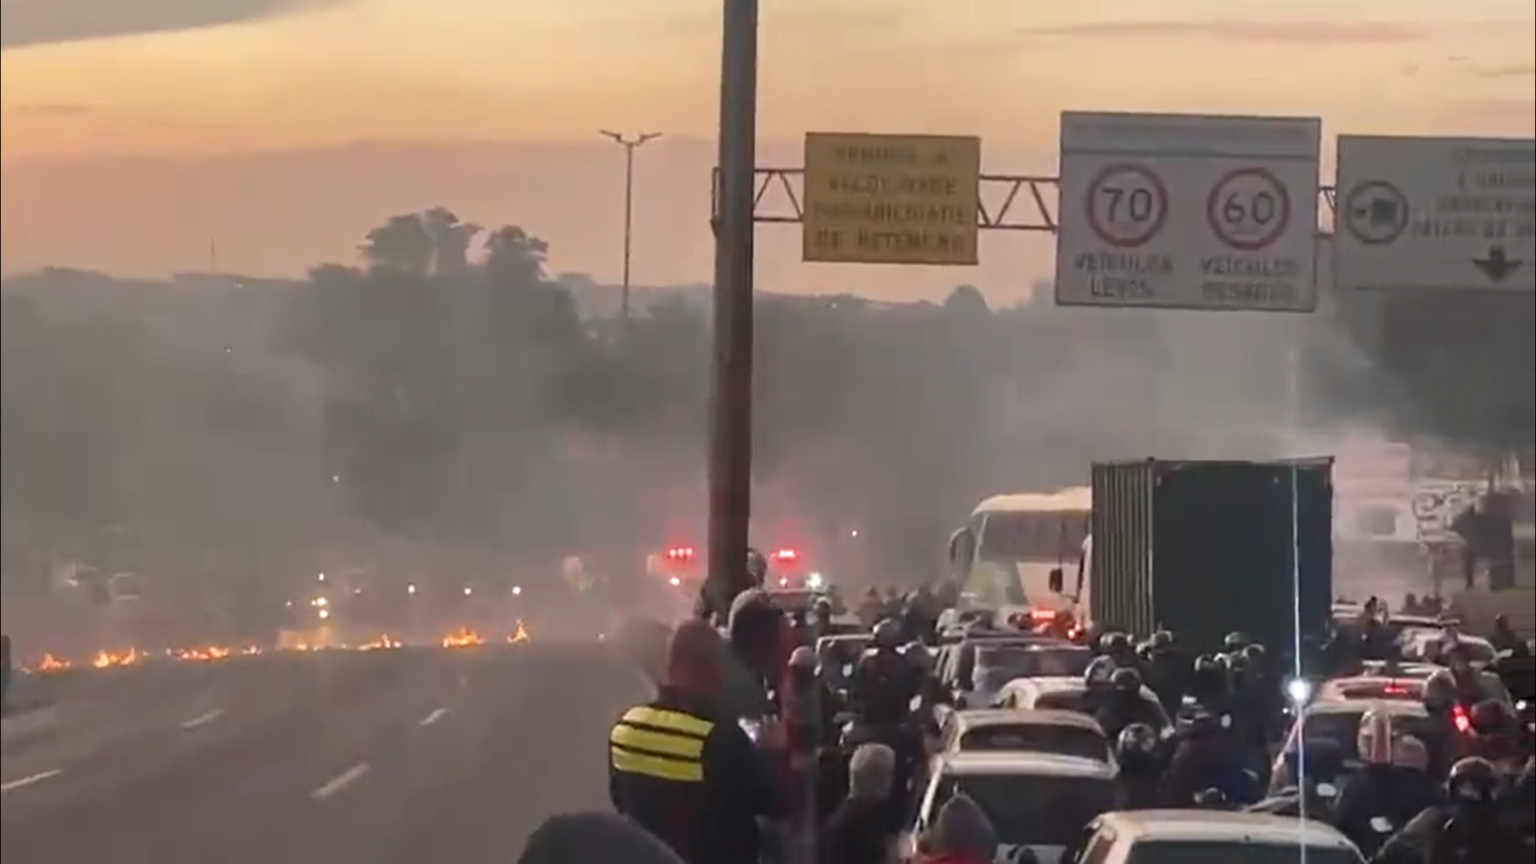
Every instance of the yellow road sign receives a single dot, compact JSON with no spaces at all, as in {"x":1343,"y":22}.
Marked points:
{"x":891,"y":199}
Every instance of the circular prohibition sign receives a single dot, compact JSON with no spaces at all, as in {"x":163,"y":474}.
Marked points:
{"x":1248,"y":209}
{"x":1126,"y":205}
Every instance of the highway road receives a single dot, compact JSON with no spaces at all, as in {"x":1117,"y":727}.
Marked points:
{"x":406,"y":756}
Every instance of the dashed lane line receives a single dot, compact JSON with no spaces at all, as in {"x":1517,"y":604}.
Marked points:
{"x":340,"y":781}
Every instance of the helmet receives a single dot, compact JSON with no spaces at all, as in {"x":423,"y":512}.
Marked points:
{"x":1136,"y":738}
{"x":1161,"y":640}
{"x":757,"y":567}
{"x":1235,"y":641}
{"x":1115,"y":643}
{"x":1211,"y":799}
{"x":1472,"y":780}
{"x":1255,"y":653}
{"x":887,"y":634}
{"x":1125,"y":680}
{"x":802,"y":657}
{"x":1492,"y":717}
{"x":1100,"y":672}
{"x":1207,"y":664}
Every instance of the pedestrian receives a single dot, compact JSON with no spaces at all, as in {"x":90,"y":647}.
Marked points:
{"x":856,"y":832}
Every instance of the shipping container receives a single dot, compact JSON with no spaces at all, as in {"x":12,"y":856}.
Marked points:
{"x":1206,"y":548}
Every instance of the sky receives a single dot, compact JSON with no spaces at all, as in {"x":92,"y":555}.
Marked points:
{"x":137,"y":134}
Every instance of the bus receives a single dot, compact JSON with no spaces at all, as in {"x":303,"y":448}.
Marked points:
{"x":1006,"y":554}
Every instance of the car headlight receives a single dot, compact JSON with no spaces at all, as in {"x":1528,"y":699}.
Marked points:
{"x":1522,"y":705}
{"x":1299,"y":690}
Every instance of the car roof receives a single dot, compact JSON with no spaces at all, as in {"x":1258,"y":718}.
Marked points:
{"x":1216,"y":825}
{"x":1074,"y":499}
{"x":1404,"y":707}
{"x":1023,"y":762}
{"x":1054,"y":683}
{"x":990,"y":717}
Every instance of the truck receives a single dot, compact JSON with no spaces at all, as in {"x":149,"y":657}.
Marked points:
{"x":1204,"y":548}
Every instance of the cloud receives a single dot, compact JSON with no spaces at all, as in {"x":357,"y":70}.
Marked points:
{"x":1285,"y":32}
{"x":41,"y":22}
{"x":53,"y":110}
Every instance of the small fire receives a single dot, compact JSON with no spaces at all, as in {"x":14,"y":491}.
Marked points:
{"x":519,"y":635}
{"x":107,"y":659}
{"x":50,"y":663}
{"x":462,"y":638}
{"x":207,"y":654}
{"x":382,"y":643}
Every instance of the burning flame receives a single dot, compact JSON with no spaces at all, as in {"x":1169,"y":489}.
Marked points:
{"x":462,"y":638}
{"x":50,"y":663}
{"x":208,"y":654}
{"x":107,"y":659}
{"x":384,"y":642}
{"x":519,"y":635}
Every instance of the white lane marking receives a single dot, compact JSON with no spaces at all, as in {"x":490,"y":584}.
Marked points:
{"x":28,"y":781}
{"x":203,"y":719}
{"x":340,"y":781}
{"x":436,"y":715}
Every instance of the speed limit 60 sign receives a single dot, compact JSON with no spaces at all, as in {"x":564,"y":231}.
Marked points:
{"x":1188,"y":212}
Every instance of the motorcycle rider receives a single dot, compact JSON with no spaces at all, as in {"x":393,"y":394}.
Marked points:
{"x":1505,"y":639}
{"x":1389,"y":788}
{"x":1209,"y":685}
{"x":1138,"y":752}
{"x":1167,"y":670}
{"x":884,"y":687}
{"x":1451,"y":693}
{"x":1206,"y":757}
{"x":1124,"y":704}
{"x":1467,"y":829}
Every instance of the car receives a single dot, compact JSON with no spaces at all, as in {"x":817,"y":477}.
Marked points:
{"x":1062,"y":694}
{"x":1211,"y":837}
{"x":1407,"y":671}
{"x":1372,"y":687}
{"x":1059,"y":733}
{"x":1035,"y":801}
{"x":1425,"y":645}
{"x":991,"y":664}
{"x":1336,"y":723}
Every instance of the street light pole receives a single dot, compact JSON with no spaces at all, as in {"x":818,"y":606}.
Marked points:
{"x":730,"y":421}
{"x":630,"y":144}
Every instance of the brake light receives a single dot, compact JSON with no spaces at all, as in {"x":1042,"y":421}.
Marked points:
{"x":1461,"y":720}
{"x":680,"y":553}
{"x":1396,"y":690}
{"x":1043,"y":614}
{"x":786,"y":554}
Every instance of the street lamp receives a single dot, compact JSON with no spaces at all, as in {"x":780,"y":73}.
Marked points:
{"x":630,"y":144}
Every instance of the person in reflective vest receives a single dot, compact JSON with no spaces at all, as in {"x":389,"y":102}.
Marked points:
{"x":682,"y":770}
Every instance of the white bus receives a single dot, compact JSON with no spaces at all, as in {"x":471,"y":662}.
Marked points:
{"x":1005,"y":554}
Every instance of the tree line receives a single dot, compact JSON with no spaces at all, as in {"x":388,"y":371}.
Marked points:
{"x":447,"y":389}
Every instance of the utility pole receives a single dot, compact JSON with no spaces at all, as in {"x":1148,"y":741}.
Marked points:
{"x":730,"y":426}
{"x":630,"y":144}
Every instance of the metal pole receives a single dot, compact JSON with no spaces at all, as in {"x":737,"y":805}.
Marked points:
{"x":629,"y":224}
{"x":630,"y":144}
{"x":730,"y":427}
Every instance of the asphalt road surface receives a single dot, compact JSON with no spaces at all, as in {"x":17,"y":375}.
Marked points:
{"x":410,"y":756}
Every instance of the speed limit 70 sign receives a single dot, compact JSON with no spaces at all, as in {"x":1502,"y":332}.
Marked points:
{"x":1188,"y":212}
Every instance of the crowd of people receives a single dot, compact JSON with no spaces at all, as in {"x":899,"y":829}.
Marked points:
{"x":748,"y":753}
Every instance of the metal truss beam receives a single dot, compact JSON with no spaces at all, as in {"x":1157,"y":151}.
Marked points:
{"x":1009,"y":202}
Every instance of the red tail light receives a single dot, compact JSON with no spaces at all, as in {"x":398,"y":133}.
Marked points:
{"x":786,"y":554}
{"x":680,"y":553}
{"x":1460,"y":718}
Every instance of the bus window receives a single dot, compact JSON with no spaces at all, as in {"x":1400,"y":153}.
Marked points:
{"x":1032,"y":536}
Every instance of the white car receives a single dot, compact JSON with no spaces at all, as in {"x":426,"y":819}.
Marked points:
{"x":1054,"y":733}
{"x":1035,"y":801}
{"x":1425,"y":645}
{"x":1212,"y":837}
{"x":1061,"y":694}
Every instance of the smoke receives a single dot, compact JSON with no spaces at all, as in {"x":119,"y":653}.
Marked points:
{"x":42,"y":22}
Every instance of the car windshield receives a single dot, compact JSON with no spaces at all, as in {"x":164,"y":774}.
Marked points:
{"x":1003,"y":663}
{"x":1056,"y":537}
{"x":1063,"y":700}
{"x":1342,"y":729}
{"x":1033,"y":810}
{"x":1050,"y":738}
{"x":1224,"y":852}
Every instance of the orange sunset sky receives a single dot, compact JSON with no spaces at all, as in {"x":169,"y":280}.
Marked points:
{"x":136,"y":131}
